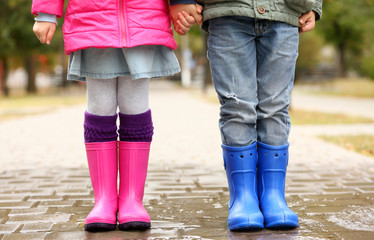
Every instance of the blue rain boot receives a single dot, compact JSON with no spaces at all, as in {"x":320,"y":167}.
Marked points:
{"x":241,"y":170}
{"x":272,"y":168}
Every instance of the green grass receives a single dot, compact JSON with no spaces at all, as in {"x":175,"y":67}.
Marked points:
{"x":350,"y":87}
{"x":363,"y":144}
{"x":300,"y":117}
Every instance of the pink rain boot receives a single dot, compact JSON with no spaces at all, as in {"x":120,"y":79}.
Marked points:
{"x":133,"y":164}
{"x":102,"y":163}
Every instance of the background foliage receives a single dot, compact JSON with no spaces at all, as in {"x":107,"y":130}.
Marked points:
{"x":346,"y":25}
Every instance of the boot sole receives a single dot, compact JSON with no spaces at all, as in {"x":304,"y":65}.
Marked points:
{"x":99,"y":227}
{"x":134,"y":226}
{"x":282,"y":226}
{"x":246,"y":227}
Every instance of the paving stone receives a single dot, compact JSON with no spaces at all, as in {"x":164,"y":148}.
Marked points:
{"x":57,"y":203}
{"x":29,"y":192}
{"x":358,"y":184}
{"x":36,"y":227}
{"x":45,"y":198}
{"x":4,"y":212}
{"x":72,"y":192}
{"x":356,"y":235}
{"x":57,"y":217}
{"x":12,"y":205}
{"x":75,"y":210}
{"x":8,"y":228}
{"x":28,"y":211}
{"x":71,"y":235}
{"x":367,"y":189}
{"x":323,"y":210}
{"x":67,"y":226}
{"x":53,"y":186}
{"x":339,"y":190}
{"x":11,"y":198}
{"x":108,"y":235}
{"x":25,"y":236}
{"x":85,"y":202}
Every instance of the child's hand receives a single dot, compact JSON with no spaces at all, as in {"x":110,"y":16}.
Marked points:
{"x":184,"y":23}
{"x":307,"y":22}
{"x":191,"y":10}
{"x":44,"y":31}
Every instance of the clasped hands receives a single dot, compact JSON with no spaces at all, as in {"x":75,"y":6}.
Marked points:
{"x":184,"y":16}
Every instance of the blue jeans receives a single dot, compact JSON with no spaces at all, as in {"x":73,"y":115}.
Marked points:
{"x":253,"y":68}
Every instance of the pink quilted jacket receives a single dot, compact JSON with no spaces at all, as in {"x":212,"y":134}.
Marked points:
{"x":111,"y":23}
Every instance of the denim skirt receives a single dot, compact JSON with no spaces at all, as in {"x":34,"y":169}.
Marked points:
{"x":149,"y":61}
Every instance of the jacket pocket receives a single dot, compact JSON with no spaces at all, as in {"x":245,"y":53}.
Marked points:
{"x":301,"y":6}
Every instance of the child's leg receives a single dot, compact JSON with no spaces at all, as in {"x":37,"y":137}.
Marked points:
{"x":135,"y":116}
{"x":232,"y":56}
{"x":133,"y":95}
{"x":277,"y":52}
{"x":102,"y":96}
{"x":135,"y":131}
{"x":101,"y":114}
{"x":100,"y":133}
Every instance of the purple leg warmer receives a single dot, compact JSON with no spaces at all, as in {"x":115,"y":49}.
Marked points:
{"x":100,"y":128}
{"x":136,"y":128}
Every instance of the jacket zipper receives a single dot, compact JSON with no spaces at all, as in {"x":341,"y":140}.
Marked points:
{"x":123,"y":35}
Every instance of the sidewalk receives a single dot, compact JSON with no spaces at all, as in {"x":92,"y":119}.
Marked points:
{"x":45,"y":187}
{"x":346,"y":105}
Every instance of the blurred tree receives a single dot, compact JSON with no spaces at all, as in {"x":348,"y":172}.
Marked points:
{"x":367,"y":60}
{"x":17,"y":39}
{"x":197,"y":45}
{"x":345,"y":24}
{"x":309,"y":53}
{"x":6,"y":44}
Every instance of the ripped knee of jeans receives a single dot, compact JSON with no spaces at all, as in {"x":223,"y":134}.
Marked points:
{"x":232,"y":96}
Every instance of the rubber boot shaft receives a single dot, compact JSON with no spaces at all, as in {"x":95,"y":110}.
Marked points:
{"x":102,"y":163}
{"x":272,"y":168}
{"x":133,"y":165}
{"x":241,"y":171}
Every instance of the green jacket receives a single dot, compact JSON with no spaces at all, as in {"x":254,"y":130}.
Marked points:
{"x":287,"y":11}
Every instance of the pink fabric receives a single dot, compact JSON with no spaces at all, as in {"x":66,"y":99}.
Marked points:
{"x":133,"y":164}
{"x":102,"y":163}
{"x":108,"y":23}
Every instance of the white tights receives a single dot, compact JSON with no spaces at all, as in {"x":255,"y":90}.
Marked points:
{"x":105,"y":95}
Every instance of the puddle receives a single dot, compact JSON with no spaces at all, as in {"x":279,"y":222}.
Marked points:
{"x":359,"y":218}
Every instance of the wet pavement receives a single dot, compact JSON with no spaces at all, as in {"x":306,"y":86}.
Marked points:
{"x":186,"y":202}
{"x":45,"y":189}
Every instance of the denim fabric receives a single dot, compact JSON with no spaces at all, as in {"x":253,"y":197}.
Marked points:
{"x":149,"y":61}
{"x":253,"y":65}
